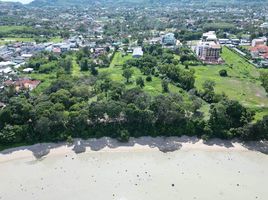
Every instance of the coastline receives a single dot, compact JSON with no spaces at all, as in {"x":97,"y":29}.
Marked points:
{"x":142,"y":144}
{"x":135,"y":170}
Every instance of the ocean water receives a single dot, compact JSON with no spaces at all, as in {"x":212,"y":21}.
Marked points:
{"x":142,"y":175}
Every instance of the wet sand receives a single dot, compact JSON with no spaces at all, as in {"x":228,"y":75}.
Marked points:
{"x":136,"y":171}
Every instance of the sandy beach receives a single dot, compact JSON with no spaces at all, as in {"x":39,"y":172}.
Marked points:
{"x":145,"y":168}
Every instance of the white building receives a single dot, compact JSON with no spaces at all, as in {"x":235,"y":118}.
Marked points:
{"x":258,"y":42}
{"x":264,"y":25}
{"x":137,"y":52}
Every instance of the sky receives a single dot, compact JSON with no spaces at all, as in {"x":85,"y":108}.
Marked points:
{"x":22,"y":1}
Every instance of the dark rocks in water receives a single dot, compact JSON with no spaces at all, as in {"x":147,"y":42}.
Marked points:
{"x":79,"y":149}
{"x":41,"y":153}
{"x":169,"y":147}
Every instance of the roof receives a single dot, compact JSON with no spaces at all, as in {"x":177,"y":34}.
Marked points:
{"x":27,"y":55}
{"x":137,"y":51}
{"x":7,"y":63}
{"x":265,"y":56}
{"x":262,"y":48}
{"x":24,"y":83}
{"x":28,"y":70}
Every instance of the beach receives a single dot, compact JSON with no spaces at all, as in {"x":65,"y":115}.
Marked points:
{"x":145,"y":168}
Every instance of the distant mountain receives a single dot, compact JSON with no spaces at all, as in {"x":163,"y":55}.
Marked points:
{"x":130,"y":2}
{"x":9,"y":3}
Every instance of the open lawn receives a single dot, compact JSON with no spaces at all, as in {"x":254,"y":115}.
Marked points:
{"x":8,"y":40}
{"x":56,"y":39}
{"x":241,"y":84}
{"x":8,"y":29}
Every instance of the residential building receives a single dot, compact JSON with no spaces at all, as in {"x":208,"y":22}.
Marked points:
{"x":137,"y":52}
{"x":23,"y":84}
{"x":258,"y":42}
{"x":260,"y":51}
{"x":264,"y":25}
{"x":208,"y":49}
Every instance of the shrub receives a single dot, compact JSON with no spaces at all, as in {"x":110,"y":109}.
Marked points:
{"x":223,"y":73}
{"x":123,"y":136}
{"x":149,"y":78}
{"x":70,"y":140}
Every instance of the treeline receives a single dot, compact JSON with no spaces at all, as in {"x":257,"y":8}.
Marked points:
{"x":67,"y":109}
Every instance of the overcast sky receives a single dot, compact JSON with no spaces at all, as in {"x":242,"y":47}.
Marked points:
{"x":22,"y":1}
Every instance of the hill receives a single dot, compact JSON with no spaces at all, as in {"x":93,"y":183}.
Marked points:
{"x":134,"y":2}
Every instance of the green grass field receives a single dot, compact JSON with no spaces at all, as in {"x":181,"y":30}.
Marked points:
{"x":9,"y":40}
{"x":11,"y":36}
{"x":115,"y":71}
{"x":242,"y":83}
{"x":7,"y":29}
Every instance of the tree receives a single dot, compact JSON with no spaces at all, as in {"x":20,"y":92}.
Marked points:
{"x":226,"y":115}
{"x":61,"y":96}
{"x":94,"y":71}
{"x":123,"y":136}
{"x":66,"y":64}
{"x":223,"y":72}
{"x":11,"y":134}
{"x":208,"y":93}
{"x":125,"y":49}
{"x":107,"y":49}
{"x":92,"y":66}
{"x":84,"y":66}
{"x":264,"y":80}
{"x":149,"y":78}
{"x":140,"y":82}
{"x":127,"y":73}
{"x":125,"y":41}
{"x":42,"y":128}
{"x":165,"y":86}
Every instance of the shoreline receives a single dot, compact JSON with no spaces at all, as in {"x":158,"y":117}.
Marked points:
{"x":142,"y":144}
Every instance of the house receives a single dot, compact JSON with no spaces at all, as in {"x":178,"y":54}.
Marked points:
{"x":137,"y":52}
{"x":65,"y":48}
{"x":258,"y":42}
{"x":22,"y":84}
{"x":260,"y":51}
{"x":264,"y":25}
{"x":6,"y":67}
{"x":27,"y":56}
{"x":28,"y":70}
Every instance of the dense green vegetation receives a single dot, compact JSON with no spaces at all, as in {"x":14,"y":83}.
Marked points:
{"x":242,"y":83}
{"x":157,"y":94}
{"x":9,"y":34}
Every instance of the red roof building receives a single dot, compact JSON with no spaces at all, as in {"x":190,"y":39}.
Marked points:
{"x":23,"y":84}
